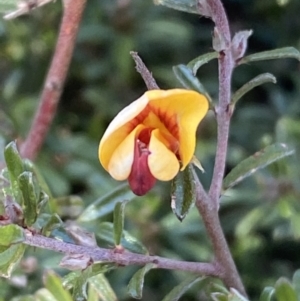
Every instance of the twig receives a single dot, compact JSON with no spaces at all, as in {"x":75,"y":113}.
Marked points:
{"x":226,"y":65}
{"x":222,"y":253}
{"x":55,"y":79}
{"x":208,"y":205}
{"x":125,"y":258}
{"x":145,"y":73}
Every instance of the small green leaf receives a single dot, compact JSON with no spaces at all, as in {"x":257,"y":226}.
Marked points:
{"x":15,"y":167}
{"x":119,"y":221}
{"x":284,"y":290}
{"x":296,"y":282}
{"x":30,"y":197}
{"x":219,"y":296}
{"x":30,"y":166}
{"x":280,"y":53}
{"x":183,"y":192}
{"x":44,"y":295}
{"x":257,"y":161}
{"x":136,"y":284}
{"x":79,"y":292}
{"x":186,"y":77}
{"x":102,"y":288}
{"x":198,"y":62}
{"x":106,"y":204}
{"x":54,"y":285}
{"x":180,"y":289}
{"x":256,"y":81}
{"x":235,"y":295}
{"x":13,"y":161}
{"x":10,"y":258}
{"x":92,"y":294}
{"x":77,"y":281}
{"x":267,"y":294}
{"x":189,"y":6}
{"x":105,"y":233}
{"x":11,"y":234}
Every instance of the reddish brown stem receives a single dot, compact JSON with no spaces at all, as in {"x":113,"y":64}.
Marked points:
{"x":125,"y":258}
{"x":55,"y":79}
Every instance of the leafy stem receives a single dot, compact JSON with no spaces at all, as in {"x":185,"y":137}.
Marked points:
{"x":208,"y":205}
{"x":124,"y":258}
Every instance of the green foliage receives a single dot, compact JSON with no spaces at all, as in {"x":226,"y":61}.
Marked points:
{"x":136,"y":284}
{"x":67,"y":185}
{"x":183,"y":192}
{"x":259,"y":160}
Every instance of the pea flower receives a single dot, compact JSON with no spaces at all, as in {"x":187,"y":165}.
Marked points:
{"x":153,"y":138}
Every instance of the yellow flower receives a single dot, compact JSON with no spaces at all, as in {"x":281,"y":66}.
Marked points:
{"x":153,"y":137}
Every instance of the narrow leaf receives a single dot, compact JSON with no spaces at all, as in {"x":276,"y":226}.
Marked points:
{"x":256,"y":81}
{"x":180,"y":289}
{"x":136,"y":284}
{"x":236,"y":296}
{"x":189,"y":6}
{"x":11,"y":234}
{"x":267,"y":294}
{"x":186,"y":77}
{"x":183,"y":192}
{"x":198,"y":62}
{"x":106,"y":204}
{"x":105,"y":233}
{"x":29,"y":197}
{"x":79,"y":292}
{"x":10,"y":258}
{"x":54,"y":285}
{"x":296,"y":282}
{"x":92,"y":294}
{"x":219,"y":297}
{"x":102,"y":288}
{"x":13,"y":161}
{"x":119,"y":221}
{"x":44,"y":295}
{"x":71,"y":279}
{"x":14,"y":166}
{"x":284,"y":290}
{"x":257,"y":161}
{"x":280,"y":53}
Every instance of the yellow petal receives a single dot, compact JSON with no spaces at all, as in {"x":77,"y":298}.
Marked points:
{"x":188,"y":108}
{"x":162,"y":163}
{"x":121,"y":159}
{"x":119,"y":129}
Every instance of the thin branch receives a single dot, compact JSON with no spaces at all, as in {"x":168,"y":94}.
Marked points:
{"x":55,"y":79}
{"x":145,"y":73}
{"x":214,"y":229}
{"x":226,"y":65}
{"x":125,"y":258}
{"x":208,"y":205}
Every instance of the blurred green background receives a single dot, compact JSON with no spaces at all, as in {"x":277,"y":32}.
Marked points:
{"x":261,"y":216}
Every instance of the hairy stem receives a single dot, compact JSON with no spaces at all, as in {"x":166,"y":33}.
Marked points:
{"x":145,"y":73}
{"x":55,"y":79}
{"x":124,"y":258}
{"x":208,"y":205}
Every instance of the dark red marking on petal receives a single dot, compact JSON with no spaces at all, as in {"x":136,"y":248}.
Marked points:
{"x":170,"y":121}
{"x":140,"y":179}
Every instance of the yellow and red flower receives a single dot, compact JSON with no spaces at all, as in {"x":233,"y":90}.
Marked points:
{"x":153,"y":138}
